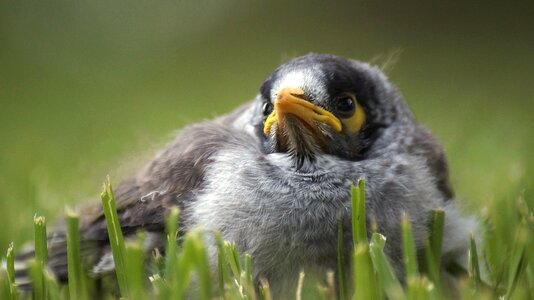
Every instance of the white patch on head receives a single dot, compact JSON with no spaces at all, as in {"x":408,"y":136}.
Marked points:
{"x":310,"y":80}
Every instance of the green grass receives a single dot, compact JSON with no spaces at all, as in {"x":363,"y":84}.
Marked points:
{"x":76,"y":271}
{"x":116,"y":239}
{"x":38,"y":266}
{"x":186,"y":270}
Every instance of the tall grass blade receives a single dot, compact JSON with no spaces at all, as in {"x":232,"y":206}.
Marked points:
{"x":437,"y":225}
{"x":413,"y":281}
{"x":364,"y":277}
{"x":202,"y":267}
{"x":10,"y":263}
{"x":222,"y":265}
{"x":116,"y":238}
{"x":41,"y":257}
{"x":41,"y":248}
{"x":419,"y":288}
{"x":168,"y":263}
{"x":432,"y":249}
{"x":518,"y":259}
{"x":5,"y":287}
{"x":298,"y":295}
{"x":161,"y":288}
{"x":474,"y":266}
{"x":53,"y":291}
{"x":75,"y":270}
{"x":135,"y":258}
{"x":232,"y":256}
{"x":10,"y":272}
{"x":429,"y":265}
{"x":331,"y":285}
{"x":385,"y":275}
{"x":171,"y":228}
{"x":265,"y":290}
{"x":342,"y":283}
{"x":359,"y":226}
{"x":192,"y":258}
{"x":408,"y":248}
{"x":247,"y":279}
{"x":184,"y":267}
{"x":38,"y":280}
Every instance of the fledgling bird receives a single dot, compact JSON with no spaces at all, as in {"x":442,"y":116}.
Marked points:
{"x":274,"y":176}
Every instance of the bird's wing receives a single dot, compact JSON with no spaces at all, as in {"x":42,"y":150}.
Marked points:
{"x":430,"y":148}
{"x":170,"y":179}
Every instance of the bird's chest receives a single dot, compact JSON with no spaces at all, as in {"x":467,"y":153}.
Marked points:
{"x":283,"y":219}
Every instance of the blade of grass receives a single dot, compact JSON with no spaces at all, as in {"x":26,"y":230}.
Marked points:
{"x":171,"y":227}
{"x":222,"y":265}
{"x":52,"y":286}
{"x":134,"y":258}
{"x":415,"y":290}
{"x":298,"y":295}
{"x":385,"y":274}
{"x":116,"y":238}
{"x":41,"y":257}
{"x":432,"y":247}
{"x":5,"y":288}
{"x":437,"y":223}
{"x":429,"y":265}
{"x":10,"y":263}
{"x":341,"y":261}
{"x":517,"y":259}
{"x":184,"y":266}
{"x":265,"y":290}
{"x":474,"y":269}
{"x":166,"y":285}
{"x":161,"y":289}
{"x":232,"y":256}
{"x":247,"y":279}
{"x":38,"y":281}
{"x":75,"y":270}
{"x":41,"y":250}
{"x":10,"y":269}
{"x":408,"y":248}
{"x":359,"y":226}
{"x":419,"y":288}
{"x":248,"y":268}
{"x":328,"y":291}
{"x":202,"y":266}
{"x":364,"y":276}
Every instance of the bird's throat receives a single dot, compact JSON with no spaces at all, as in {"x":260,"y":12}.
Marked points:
{"x":302,"y":142}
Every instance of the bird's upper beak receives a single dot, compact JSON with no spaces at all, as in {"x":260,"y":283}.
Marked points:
{"x":290,"y":101}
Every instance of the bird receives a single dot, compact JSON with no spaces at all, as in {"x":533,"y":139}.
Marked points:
{"x":274,"y":176}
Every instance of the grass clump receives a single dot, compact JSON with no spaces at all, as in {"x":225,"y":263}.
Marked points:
{"x":186,"y":261}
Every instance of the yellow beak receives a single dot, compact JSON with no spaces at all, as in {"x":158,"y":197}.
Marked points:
{"x":290,"y":101}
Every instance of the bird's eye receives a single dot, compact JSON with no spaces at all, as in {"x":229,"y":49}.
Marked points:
{"x":267,"y":108}
{"x":345,"y":106}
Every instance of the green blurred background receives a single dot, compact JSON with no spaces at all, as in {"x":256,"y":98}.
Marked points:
{"x":89,"y":88}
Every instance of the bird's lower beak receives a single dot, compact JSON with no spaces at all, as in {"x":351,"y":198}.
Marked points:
{"x":290,"y":101}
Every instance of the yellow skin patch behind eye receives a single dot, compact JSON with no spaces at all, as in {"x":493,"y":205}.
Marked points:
{"x":355,"y":123}
{"x":288,"y":101}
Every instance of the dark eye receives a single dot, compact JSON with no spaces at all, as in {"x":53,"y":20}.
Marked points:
{"x":345,"y":106}
{"x":267,"y":108}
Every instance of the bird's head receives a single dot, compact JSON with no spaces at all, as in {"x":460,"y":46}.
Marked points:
{"x":324,"y":104}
